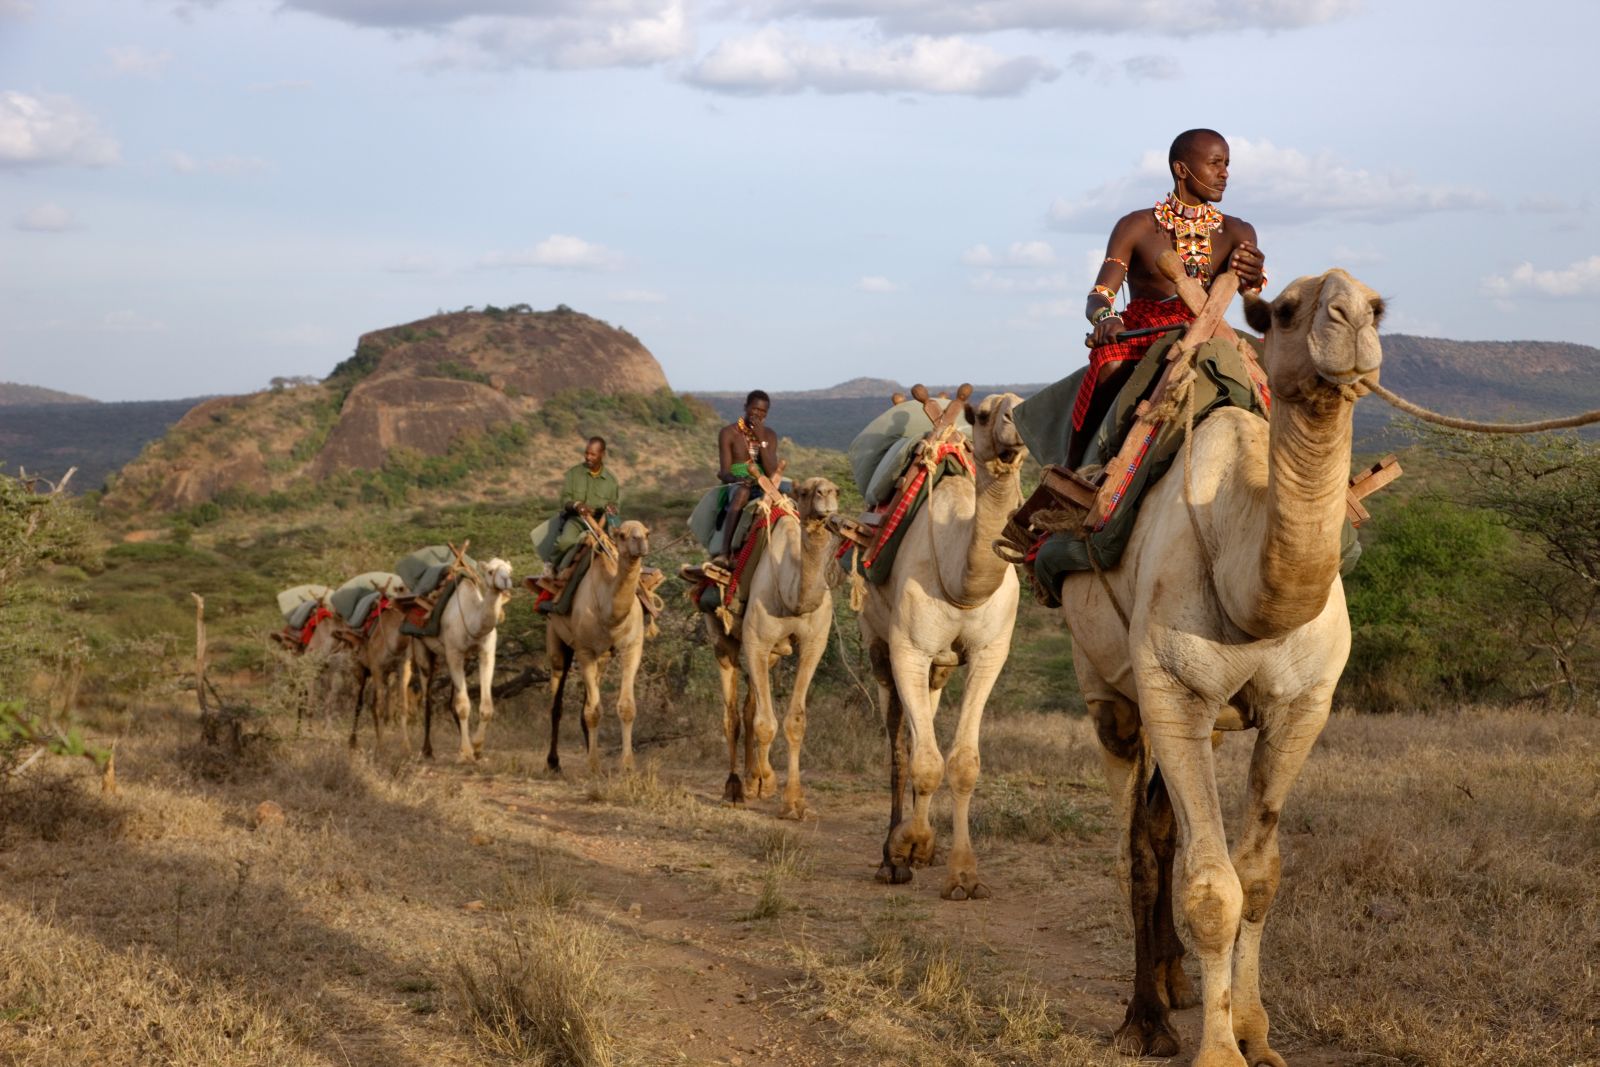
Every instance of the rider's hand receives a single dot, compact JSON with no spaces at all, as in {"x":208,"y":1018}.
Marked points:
{"x":1106,"y":330}
{"x":1249,"y":264}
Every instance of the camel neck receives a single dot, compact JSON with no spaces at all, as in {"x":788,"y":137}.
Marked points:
{"x":1278,"y":576}
{"x":623,"y":577}
{"x":996,"y":495}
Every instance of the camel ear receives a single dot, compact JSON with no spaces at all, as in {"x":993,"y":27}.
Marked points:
{"x":1257,"y":312}
{"x":972,"y":415}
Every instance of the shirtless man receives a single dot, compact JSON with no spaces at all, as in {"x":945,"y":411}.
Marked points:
{"x":1207,"y":240}
{"x":744,"y":448}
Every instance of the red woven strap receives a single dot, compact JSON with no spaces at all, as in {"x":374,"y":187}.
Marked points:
{"x":310,"y":627}
{"x":761,"y":523}
{"x":1141,"y":314}
{"x":903,"y":503}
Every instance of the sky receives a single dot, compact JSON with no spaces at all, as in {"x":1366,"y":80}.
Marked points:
{"x":197,"y":196}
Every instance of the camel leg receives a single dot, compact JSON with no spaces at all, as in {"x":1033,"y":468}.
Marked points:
{"x":962,"y":882}
{"x":404,"y":683}
{"x":626,"y":708}
{"x":560,"y":667}
{"x":589,"y":668}
{"x":1146,"y":1029}
{"x":728,"y":675}
{"x":912,"y":843}
{"x":747,"y":720}
{"x":1281,"y":748}
{"x":429,"y":666}
{"x":455,"y":659}
{"x":485,"y":690}
{"x":1205,"y":886}
{"x":763,"y":780}
{"x":889,"y":872}
{"x":361,"y":698}
{"x":794,"y":723}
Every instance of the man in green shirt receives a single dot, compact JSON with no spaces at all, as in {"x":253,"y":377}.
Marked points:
{"x":588,"y":489}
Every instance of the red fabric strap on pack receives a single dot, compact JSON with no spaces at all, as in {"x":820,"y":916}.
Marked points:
{"x":1141,"y":314}
{"x":770,"y":519}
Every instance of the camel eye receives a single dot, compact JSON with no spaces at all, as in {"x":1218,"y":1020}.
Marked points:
{"x":1284,"y":312}
{"x":1378,"y":308}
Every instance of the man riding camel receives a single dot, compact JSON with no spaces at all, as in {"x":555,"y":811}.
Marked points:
{"x":1208,"y":242}
{"x":745,"y":448}
{"x":587,"y":489}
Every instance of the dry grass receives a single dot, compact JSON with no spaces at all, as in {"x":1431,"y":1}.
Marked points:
{"x":1438,"y":902}
{"x":543,"y":994}
{"x":908,"y":998}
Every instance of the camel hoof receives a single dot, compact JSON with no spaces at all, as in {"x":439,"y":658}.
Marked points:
{"x":733,"y":790}
{"x":793,"y":810}
{"x":466,"y":756}
{"x":966,"y":889}
{"x":1259,"y":1054}
{"x":894,"y":874}
{"x":765,"y":785}
{"x":1146,"y":1037}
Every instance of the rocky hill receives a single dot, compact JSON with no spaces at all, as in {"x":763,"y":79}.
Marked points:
{"x":431,"y":397}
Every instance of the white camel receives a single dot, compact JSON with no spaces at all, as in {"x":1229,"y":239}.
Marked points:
{"x":476,"y":607}
{"x":1226,"y":612}
{"x":949,"y":600}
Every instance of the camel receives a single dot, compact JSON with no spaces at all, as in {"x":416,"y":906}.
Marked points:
{"x":789,"y":606}
{"x":1226,"y":612}
{"x":477,"y":606}
{"x":949,"y":600}
{"x":606,"y":620}
{"x":381,"y":654}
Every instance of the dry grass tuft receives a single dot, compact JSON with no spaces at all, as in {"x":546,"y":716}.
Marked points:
{"x":543,"y":995}
{"x":50,"y":804}
{"x":786,"y":860}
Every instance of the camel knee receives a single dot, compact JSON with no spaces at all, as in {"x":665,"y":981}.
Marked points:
{"x":626,"y":711}
{"x":927,"y":770}
{"x":1212,"y":902}
{"x":963,"y":766}
{"x":764,"y":730}
{"x":794,"y":725}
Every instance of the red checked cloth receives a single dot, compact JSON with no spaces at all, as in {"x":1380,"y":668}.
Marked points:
{"x":1140,"y":314}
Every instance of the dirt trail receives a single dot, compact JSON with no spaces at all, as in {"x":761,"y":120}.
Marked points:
{"x":719,"y":984}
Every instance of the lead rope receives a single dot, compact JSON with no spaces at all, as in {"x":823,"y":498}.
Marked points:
{"x":1587,"y":418}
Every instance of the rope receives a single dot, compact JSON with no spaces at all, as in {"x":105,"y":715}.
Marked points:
{"x":1416,"y":411}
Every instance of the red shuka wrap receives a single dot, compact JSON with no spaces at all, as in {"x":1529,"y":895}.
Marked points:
{"x":1141,"y":314}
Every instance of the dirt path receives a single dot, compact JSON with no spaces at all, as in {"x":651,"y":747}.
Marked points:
{"x":680,"y":881}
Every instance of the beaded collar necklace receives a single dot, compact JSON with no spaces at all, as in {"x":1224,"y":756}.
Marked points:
{"x":752,"y":440}
{"x":1191,"y":227}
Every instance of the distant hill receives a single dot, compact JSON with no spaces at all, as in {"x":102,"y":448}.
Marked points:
{"x":96,"y":438}
{"x":435,"y":401}
{"x":14,"y":393}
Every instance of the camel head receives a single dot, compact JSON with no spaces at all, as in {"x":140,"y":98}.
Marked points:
{"x":816,"y":499}
{"x":995,"y":440}
{"x":633,"y":539}
{"x":1321,"y":333}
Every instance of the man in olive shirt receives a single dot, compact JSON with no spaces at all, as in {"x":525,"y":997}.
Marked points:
{"x":588,"y":489}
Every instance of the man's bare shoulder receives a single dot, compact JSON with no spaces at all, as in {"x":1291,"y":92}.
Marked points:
{"x":1133,"y":221}
{"x":1234,"y":226}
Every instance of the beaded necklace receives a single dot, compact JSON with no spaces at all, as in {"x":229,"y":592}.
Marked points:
{"x":1191,"y":227}
{"x":752,"y":439}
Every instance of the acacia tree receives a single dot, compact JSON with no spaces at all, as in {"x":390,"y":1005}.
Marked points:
{"x":1546,"y":487}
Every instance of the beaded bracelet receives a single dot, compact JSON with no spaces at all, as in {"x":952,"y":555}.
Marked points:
{"x":1118,"y":262}
{"x":1100,"y":316}
{"x":1109,"y":293}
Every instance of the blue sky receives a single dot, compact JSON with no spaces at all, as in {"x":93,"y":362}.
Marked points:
{"x":197,"y":196}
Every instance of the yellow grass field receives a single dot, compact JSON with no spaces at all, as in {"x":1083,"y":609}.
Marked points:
{"x":1438,"y":902}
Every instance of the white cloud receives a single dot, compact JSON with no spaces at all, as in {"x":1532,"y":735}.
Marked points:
{"x":776,"y":61}
{"x":1056,"y":309}
{"x":640,"y":35}
{"x":639,"y":296}
{"x":1280,"y":185}
{"x":45,"y":130}
{"x":1152,"y":68}
{"x":221,"y":166}
{"x":877,"y":283}
{"x":1580,"y":279}
{"x":559,"y":251}
{"x":138,"y":61}
{"x":1543,"y":204}
{"x":288,"y":86}
{"x":1021,"y":254}
{"x":46,"y":218}
{"x":1173,"y":18}
{"x":15,"y":9}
